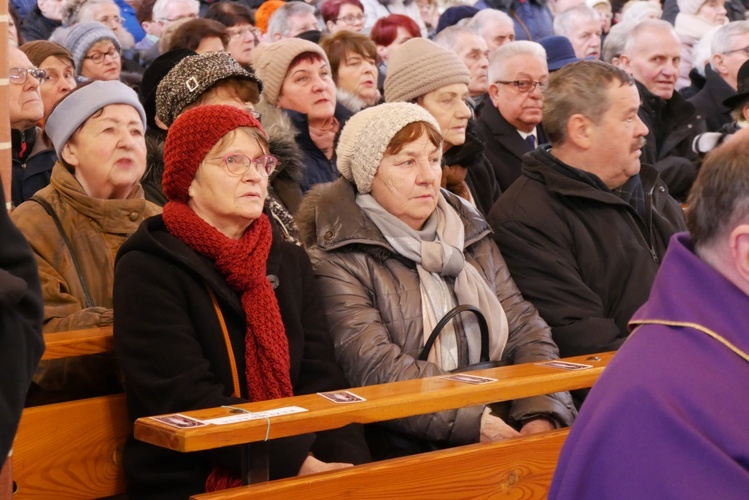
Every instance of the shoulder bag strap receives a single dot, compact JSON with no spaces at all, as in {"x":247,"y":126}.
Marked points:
{"x":227,"y":341}
{"x":483,"y":328}
{"x":48,"y":208}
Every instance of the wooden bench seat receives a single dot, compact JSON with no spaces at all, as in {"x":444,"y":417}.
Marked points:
{"x":519,"y":468}
{"x":73,"y":450}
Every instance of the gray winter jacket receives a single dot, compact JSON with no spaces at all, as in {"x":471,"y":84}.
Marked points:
{"x":373,"y":305}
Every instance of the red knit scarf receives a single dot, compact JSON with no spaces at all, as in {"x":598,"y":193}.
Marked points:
{"x":243,"y":264}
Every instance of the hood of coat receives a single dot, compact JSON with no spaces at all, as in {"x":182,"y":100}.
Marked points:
{"x":282,"y":138}
{"x":330,"y":219}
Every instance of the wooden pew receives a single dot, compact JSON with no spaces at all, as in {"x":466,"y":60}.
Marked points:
{"x":74,"y":449}
{"x":516,"y":468}
{"x":383,"y":402}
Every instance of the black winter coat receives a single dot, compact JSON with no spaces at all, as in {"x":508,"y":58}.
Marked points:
{"x":672,"y":127}
{"x":576,"y":251}
{"x":505,"y":146}
{"x":33,"y":170}
{"x":709,"y":100}
{"x":318,"y":168}
{"x":37,"y":27}
{"x":480,"y":178}
{"x":21,"y":314}
{"x":169,"y":344}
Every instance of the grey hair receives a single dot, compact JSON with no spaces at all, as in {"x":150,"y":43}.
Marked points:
{"x":613,"y":46}
{"x":723,"y":38}
{"x":635,"y":11}
{"x":486,"y":17}
{"x":499,"y":59}
{"x":701,"y":51}
{"x":83,"y":11}
{"x":645,"y":26}
{"x":449,"y":36}
{"x":279,"y":21}
{"x":564,"y":22}
{"x":160,"y":6}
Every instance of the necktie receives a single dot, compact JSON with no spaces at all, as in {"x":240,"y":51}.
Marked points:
{"x":531,"y":140}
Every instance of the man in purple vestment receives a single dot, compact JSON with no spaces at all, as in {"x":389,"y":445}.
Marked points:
{"x":668,"y":417}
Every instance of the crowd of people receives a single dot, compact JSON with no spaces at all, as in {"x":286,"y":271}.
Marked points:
{"x":266,"y":199}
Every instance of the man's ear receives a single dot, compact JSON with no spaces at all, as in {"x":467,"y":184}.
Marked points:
{"x":579,"y":129}
{"x":625,"y":63}
{"x":494,"y":93}
{"x":719,"y":65}
{"x":739,"y":244}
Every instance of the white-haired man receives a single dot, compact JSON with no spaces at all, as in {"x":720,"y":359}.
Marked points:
{"x":494,"y":26}
{"x":582,"y":25}
{"x":291,"y":19}
{"x":728,"y":51}
{"x":652,"y":54}
{"x":511,"y":123}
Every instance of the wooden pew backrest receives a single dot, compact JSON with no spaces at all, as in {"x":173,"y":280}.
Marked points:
{"x":516,"y":468}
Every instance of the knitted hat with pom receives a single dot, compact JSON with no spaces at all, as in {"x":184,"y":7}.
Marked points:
{"x":367,"y":135}
{"x":420,"y":66}
{"x":189,"y":140}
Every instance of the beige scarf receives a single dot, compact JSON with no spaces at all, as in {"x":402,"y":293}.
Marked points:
{"x":437,"y":251}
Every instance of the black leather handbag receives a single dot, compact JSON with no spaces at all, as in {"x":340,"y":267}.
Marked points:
{"x":484,"y":361}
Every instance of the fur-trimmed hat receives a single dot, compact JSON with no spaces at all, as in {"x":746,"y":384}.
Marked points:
{"x":192,"y":76}
{"x":192,"y":135}
{"x":274,"y":62}
{"x":83,"y":36}
{"x":366,"y":136}
{"x":420,"y":66}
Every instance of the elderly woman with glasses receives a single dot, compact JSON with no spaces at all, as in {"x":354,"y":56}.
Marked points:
{"x":231,"y":313}
{"x":96,"y":52}
{"x":243,"y":35}
{"x":343,"y":15}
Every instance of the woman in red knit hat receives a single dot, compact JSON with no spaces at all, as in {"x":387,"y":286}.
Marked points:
{"x":213,"y":309}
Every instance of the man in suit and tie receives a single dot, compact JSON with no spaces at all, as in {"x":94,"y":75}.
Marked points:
{"x":511,"y":125}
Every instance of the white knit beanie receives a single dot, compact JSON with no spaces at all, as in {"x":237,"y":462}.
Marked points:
{"x":690,"y":7}
{"x":274,"y":61}
{"x":366,"y":136}
{"x":420,"y":66}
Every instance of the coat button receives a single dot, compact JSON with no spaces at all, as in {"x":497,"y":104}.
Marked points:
{"x":133,"y":216}
{"x":328,"y":235}
{"x":661,"y":189}
{"x":274,"y":281}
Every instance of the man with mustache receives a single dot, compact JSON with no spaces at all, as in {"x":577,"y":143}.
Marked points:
{"x":652,"y":55}
{"x":585,"y":226}
{"x":510,"y":124}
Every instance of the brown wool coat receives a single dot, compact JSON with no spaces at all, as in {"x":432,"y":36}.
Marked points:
{"x":96,"y":229}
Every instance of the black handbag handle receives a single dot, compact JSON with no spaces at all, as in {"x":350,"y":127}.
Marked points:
{"x":483,"y":329}
{"x":48,"y":208}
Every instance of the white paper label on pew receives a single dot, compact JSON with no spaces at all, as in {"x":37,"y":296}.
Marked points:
{"x":258,"y":415}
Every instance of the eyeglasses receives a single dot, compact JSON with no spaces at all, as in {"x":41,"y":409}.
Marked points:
{"x":241,"y":32}
{"x":352,"y":19}
{"x":526,"y":85}
{"x":238,"y":164}
{"x":20,"y":75}
{"x":745,"y":50}
{"x":178,"y":18}
{"x":98,"y":57}
{"x":111,"y":19}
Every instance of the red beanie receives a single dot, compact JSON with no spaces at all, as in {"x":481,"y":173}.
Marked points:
{"x":191,"y":137}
